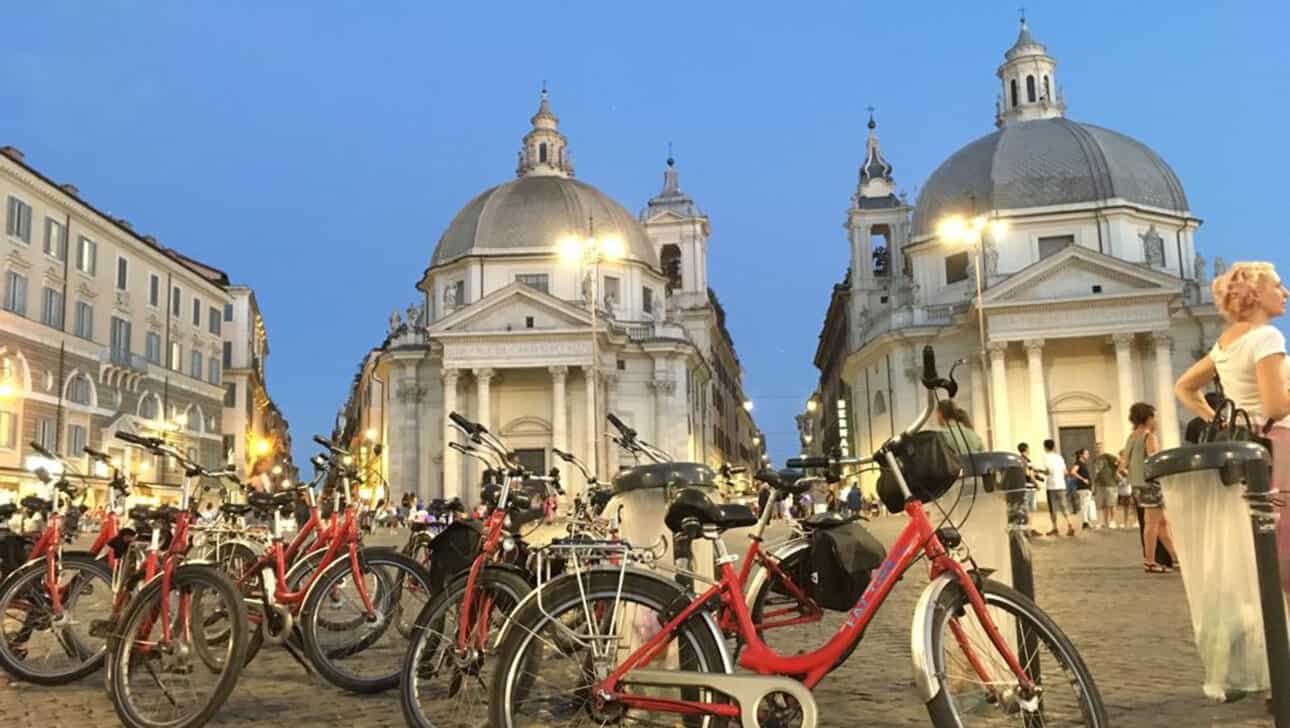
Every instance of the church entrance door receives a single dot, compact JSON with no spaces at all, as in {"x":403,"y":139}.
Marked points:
{"x":533,"y":461}
{"x":1071,"y":439}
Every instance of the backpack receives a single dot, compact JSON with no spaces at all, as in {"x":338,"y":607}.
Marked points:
{"x":842,"y":560}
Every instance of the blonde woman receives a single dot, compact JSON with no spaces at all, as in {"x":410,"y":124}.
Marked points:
{"x":1249,"y":359}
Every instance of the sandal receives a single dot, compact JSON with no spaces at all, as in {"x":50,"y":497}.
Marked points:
{"x":1155,"y":569}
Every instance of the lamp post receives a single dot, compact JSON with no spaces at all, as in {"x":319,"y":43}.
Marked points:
{"x":589,"y":252}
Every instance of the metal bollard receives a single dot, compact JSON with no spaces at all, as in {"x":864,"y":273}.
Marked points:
{"x":1263,"y":519}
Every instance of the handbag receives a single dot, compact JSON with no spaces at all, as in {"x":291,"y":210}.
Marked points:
{"x":1236,"y":427}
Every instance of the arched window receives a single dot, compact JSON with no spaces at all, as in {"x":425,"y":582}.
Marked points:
{"x":670,"y":259}
{"x":148,"y":407}
{"x":542,"y":152}
{"x":1014,"y":93}
{"x":1030,"y":89}
{"x":1048,"y":92}
{"x":78,"y":389}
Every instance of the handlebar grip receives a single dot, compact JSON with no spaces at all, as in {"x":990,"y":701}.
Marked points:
{"x":622,"y":426}
{"x":738,"y":471}
{"x":811,"y":462}
{"x":464,"y":423}
{"x":324,"y":442}
{"x":930,"y":377}
{"x":96,"y":454}
{"x":40,"y":449}
{"x":133,"y":439}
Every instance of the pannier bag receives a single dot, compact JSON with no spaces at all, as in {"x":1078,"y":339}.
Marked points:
{"x":930,"y":467}
{"x":453,"y":551}
{"x":842,"y":559}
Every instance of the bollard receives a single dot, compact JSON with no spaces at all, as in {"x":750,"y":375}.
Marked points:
{"x":1263,"y":519}
{"x":1023,"y":571}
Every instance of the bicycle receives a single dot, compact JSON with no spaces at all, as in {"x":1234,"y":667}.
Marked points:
{"x":590,"y":626}
{"x":52,"y":593}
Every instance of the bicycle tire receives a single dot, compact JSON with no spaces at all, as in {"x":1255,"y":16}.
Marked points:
{"x":234,"y":558}
{"x":184,"y":577}
{"x":701,"y":638}
{"x":418,"y":551}
{"x":31,"y":576}
{"x":327,"y":661}
{"x":944,"y":709}
{"x":429,"y":625}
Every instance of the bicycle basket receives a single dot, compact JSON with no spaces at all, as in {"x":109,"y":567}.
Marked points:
{"x":930,"y":467}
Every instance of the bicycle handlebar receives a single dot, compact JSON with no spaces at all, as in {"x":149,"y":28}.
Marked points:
{"x":40,"y":449}
{"x":622,"y":426}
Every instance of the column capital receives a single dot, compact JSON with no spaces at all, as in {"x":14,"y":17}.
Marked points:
{"x":558,"y":371}
{"x":1162,"y":340}
{"x":997,"y":348}
{"x":1123,"y":339}
{"x":663,"y":386}
{"x":1034,"y":346}
{"x":450,"y":376}
{"x":485,"y":373}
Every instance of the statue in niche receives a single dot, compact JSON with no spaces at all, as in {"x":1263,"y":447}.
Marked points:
{"x":1153,"y":247}
{"x":450,"y":298}
{"x":1198,"y":269}
{"x":395,"y":321}
{"x":991,"y":259}
{"x":1220,"y":266}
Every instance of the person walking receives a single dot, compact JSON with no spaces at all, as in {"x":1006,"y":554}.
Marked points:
{"x":1250,"y":361}
{"x":1058,"y":501}
{"x":1105,"y":482}
{"x":855,"y":501}
{"x":1034,"y":479}
{"x":1083,"y":486}
{"x":1142,"y":444}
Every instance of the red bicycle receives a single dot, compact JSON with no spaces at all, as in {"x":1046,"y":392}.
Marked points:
{"x":623,"y":645}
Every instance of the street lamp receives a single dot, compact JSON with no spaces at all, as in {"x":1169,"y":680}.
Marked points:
{"x":812,"y":405}
{"x":748,"y":405}
{"x":971,"y":231}
{"x":371,"y":434}
{"x":591,"y":251}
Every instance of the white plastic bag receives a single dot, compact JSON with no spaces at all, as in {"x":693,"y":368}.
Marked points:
{"x":1211,"y":530}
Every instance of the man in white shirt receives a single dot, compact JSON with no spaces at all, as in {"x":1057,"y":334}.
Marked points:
{"x":1056,"y":488}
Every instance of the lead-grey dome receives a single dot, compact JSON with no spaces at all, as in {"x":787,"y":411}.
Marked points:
{"x":1046,"y":162}
{"x":532,"y":214}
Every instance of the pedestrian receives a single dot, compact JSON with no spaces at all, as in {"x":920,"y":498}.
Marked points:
{"x":855,"y":501}
{"x":763,"y":496}
{"x":1105,"y":480}
{"x":1058,"y":500}
{"x":956,"y":428}
{"x":1141,"y":445}
{"x":1083,"y":487}
{"x":1124,"y":493}
{"x":1034,"y":479}
{"x":1250,"y":361}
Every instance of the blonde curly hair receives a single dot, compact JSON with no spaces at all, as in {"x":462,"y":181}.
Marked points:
{"x":1236,"y":292}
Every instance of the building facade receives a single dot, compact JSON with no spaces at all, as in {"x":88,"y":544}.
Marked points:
{"x":103,"y":329}
{"x":503,"y":333}
{"x":1093,"y":295}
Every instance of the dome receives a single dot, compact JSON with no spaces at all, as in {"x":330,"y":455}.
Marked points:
{"x":532,"y":214}
{"x":1045,"y":162}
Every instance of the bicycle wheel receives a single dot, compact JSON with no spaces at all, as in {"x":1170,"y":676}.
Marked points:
{"x":440,"y":685}
{"x":547,"y":665}
{"x":234,"y":559}
{"x":788,"y":624}
{"x":977,"y":688}
{"x":366,"y":657}
{"x":36,"y":646}
{"x":159,"y":684}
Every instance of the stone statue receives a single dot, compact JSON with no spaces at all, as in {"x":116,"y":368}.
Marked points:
{"x":991,"y":259}
{"x":1198,"y":269}
{"x":1220,"y":266}
{"x":1153,"y":248}
{"x":395,"y":321}
{"x":450,"y":298}
{"x":586,"y":287}
{"x":414,"y":315}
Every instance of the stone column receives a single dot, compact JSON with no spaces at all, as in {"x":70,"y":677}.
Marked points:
{"x":1124,"y":378}
{"x":593,"y":423}
{"x":978,"y":398}
{"x":451,"y":458}
{"x":1038,"y":394}
{"x":609,"y":396}
{"x":1166,"y":405}
{"x":999,"y":390}
{"x":559,"y":431}
{"x":483,"y":415}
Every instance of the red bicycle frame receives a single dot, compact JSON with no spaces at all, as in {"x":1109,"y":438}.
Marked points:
{"x":917,"y":536}
{"x":488,"y":549}
{"x":728,"y":620}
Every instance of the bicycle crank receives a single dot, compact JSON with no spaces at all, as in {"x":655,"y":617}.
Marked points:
{"x":752,"y":692}
{"x":277,"y":625}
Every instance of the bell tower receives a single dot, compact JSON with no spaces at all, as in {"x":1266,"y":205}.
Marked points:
{"x":1029,"y":78}
{"x":545,"y":150}
{"x":679,"y":231}
{"x":877,"y":227}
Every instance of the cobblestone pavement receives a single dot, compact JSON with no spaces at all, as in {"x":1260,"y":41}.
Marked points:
{"x":1131,"y":628}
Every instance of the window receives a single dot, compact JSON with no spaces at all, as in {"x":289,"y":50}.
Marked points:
{"x":956,"y":268}
{"x":78,"y":391}
{"x":75,"y":439}
{"x":120,"y":342}
{"x":148,"y":408}
{"x":1053,"y":244}
{"x":613,"y":291}
{"x":459,"y":292}
{"x":230,"y":394}
{"x":195,"y":365}
{"x":670,"y":260}
{"x":1013,"y":88}
{"x":1030,"y":89}
{"x":212,"y":371}
{"x":528,"y":322}
{"x":175,"y":296}
{"x":55,"y":239}
{"x":228,"y":312}
{"x":229,"y":442}
{"x":647,"y":300}
{"x":87,"y":255}
{"x":152,"y":347}
{"x":45,"y":433}
{"x":18,"y":220}
{"x":621,"y":365}
{"x":154,"y":290}
{"x":197,"y":311}
{"x":8,"y":427}
{"x":1048,"y":93}
{"x":176,"y":352}
{"x":542,"y":152}
{"x":15,"y":293}
{"x":122,"y":274}
{"x":536,"y":281}
{"x":84,"y":320}
{"x":213,"y":324}
{"x":52,"y":312}
{"x":228,"y":355}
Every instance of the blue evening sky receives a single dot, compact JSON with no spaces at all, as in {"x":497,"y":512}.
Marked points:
{"x":316,"y":150}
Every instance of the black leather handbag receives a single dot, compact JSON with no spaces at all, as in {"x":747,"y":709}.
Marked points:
{"x":1236,"y":426}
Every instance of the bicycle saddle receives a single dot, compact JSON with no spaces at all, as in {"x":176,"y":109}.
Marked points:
{"x":694,"y":503}
{"x":785,"y":481}
{"x":235,"y":509}
{"x":32,"y":503}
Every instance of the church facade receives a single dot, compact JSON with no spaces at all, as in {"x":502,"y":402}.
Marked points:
{"x":504,"y":333}
{"x":1092,"y":293}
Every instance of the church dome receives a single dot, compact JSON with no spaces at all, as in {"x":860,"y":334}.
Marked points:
{"x":532,"y":214}
{"x":1044,"y":162}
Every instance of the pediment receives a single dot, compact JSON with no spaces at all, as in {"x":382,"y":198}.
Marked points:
{"x":509,"y":308}
{"x":1079,"y":273}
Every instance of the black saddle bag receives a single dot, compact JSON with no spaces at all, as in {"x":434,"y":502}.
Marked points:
{"x":842,"y":560}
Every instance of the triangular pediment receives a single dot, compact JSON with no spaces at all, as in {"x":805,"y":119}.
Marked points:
{"x":1078,"y":273}
{"x":509,"y":308}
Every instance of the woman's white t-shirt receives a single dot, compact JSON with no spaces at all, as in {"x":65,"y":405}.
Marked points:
{"x":1236,"y":366}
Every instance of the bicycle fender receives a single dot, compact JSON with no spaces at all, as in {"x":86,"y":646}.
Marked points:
{"x":920,"y":635}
